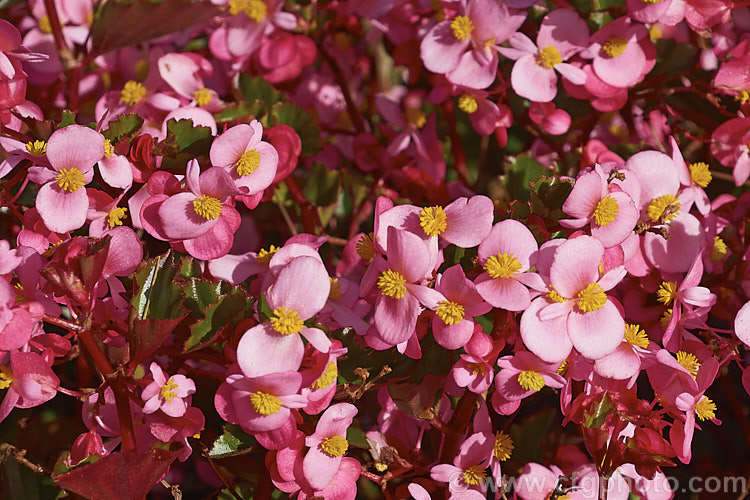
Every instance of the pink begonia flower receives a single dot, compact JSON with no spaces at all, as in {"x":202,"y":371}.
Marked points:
{"x":29,"y":380}
{"x":693,"y":178}
{"x":538,"y":482}
{"x":177,"y":429}
{"x":561,"y":35}
{"x":344,"y":308}
{"x":18,"y":320}
{"x":103,"y":213}
{"x":274,"y":345}
{"x":283,"y":56}
{"x":167,"y":395}
{"x":729,"y":144}
{"x":742,"y":323}
{"x":702,"y":15}
{"x":184,"y":73}
{"x":319,"y":381}
{"x":250,"y":161}
{"x":463,"y":48}
{"x":468,"y":471}
{"x":250,"y":21}
{"x":625,"y":362}
{"x":72,"y":152}
{"x":85,"y":445}
{"x":475,"y":369}
{"x":503,"y":446}
{"x":327,"y":445}
{"x":409,"y":121}
{"x":507,"y":252}
{"x":646,"y":11}
{"x":553,"y":121}
{"x":520,"y":376}
{"x":577,"y":303}
{"x":484,"y":114}
{"x":675,"y":255}
{"x":610,"y":211}
{"x":626,"y":479}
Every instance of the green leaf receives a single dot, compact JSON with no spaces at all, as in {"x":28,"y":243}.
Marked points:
{"x":323,"y":186}
{"x":199,"y":294}
{"x":123,"y":126}
{"x":239,"y":110}
{"x":190,"y":138}
{"x":302,"y":122}
{"x":68,"y":118}
{"x":155,"y":296}
{"x":548,"y":194}
{"x":520,"y":174}
{"x":259,"y":93}
{"x":233,"y":442}
{"x":601,"y":411}
{"x":356,"y":436}
{"x":189,"y":268}
{"x":674,"y":58}
{"x":219,"y":317}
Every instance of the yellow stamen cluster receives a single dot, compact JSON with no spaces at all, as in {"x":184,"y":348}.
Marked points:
{"x":606,"y":211}
{"x":705,"y":409}
{"x":700,"y":173}
{"x":207,"y":207}
{"x":743,"y":96}
{"x":503,"y":446}
{"x":45,"y":25}
{"x":433,"y":220}
{"x":476,"y":368}
{"x":719,"y":250}
{"x":563,"y":368}
{"x":36,"y":148}
{"x":70,"y":179}
{"x":256,"y":10}
{"x":530,"y":380}
{"x":652,"y":1}
{"x":334,"y":446}
{"x":474,"y":475}
{"x":366,"y":247}
{"x":115,"y":216}
{"x":248,"y":162}
{"x":591,"y":298}
{"x":666,"y":292}
{"x":286,"y":321}
{"x":467,"y":104}
{"x":665,"y":319}
{"x":336,"y":292}
{"x":265,"y":404}
{"x":615,"y":46}
{"x":502,"y":265}
{"x":415,"y":117}
{"x":635,"y":336}
{"x":5,"y":377}
{"x":666,"y":205}
{"x":236,"y":6}
{"x":548,"y":57}
{"x":264,"y":256}
{"x":688,"y":362}
{"x":392,"y":284}
{"x":328,"y":377}
{"x":554,"y":296}
{"x":108,"y":148}
{"x":168,"y":390}
{"x":202,"y":96}
{"x":462,"y":27}
{"x":450,"y":312}
{"x":132,"y":92}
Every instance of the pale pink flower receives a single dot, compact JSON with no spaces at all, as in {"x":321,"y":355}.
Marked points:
{"x":167,"y":394}
{"x":520,"y":376}
{"x":468,"y":471}
{"x":729,"y":144}
{"x":250,"y":161}
{"x":327,"y":445}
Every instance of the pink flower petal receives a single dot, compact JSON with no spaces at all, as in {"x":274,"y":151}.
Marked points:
{"x":532,"y":81}
{"x":596,"y":334}
{"x":263,"y":350}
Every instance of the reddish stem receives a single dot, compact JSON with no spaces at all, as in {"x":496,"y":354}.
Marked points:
{"x":310,"y":219}
{"x":71,"y":68}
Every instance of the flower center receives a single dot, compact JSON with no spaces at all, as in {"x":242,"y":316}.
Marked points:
{"x":705,"y":409}
{"x":265,"y":404}
{"x":477,"y":368}
{"x":615,"y":46}
{"x":548,"y":57}
{"x":114,"y":217}
{"x":462,"y":27}
{"x":286,"y":321}
{"x":248,"y":162}
{"x":665,"y":319}
{"x":236,"y":6}
{"x":264,"y":256}
{"x":334,"y":446}
{"x":36,"y":148}
{"x":433,"y":220}
{"x":256,"y":10}
{"x":719,"y":250}
{"x":474,"y":475}
{"x":606,"y":211}
{"x":503,"y":446}
{"x":502,"y":265}
{"x":700,"y":173}
{"x":45,"y":26}
{"x":467,"y":103}
{"x":366,"y":247}
{"x":5,"y":377}
{"x":329,"y":376}
{"x":563,"y":368}
{"x":666,"y":206}
{"x":688,"y":362}
{"x":132,"y":92}
{"x":450,"y":312}
{"x":168,"y":390}
{"x":591,"y":298}
{"x":666,"y":292}
{"x":392,"y":284}
{"x":530,"y":380}
{"x":635,"y":336}
{"x":415,"y":117}
{"x":70,"y":179}
{"x":743,"y":96}
{"x":108,"y":148}
{"x":336,"y":291}
{"x":553,"y":295}
{"x":207,"y":207}
{"x":202,"y":96}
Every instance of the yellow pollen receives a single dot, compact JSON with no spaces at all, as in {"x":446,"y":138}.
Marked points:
{"x":329,"y":376}
{"x":667,"y":206}
{"x":490,"y":42}
{"x":563,"y":368}
{"x":615,"y":46}
{"x":334,"y":446}
{"x":719,"y":250}
{"x":264,"y":256}
{"x":530,"y":380}
{"x":207,"y":207}
{"x":553,"y":295}
{"x":743,"y":96}
{"x":503,"y":446}
{"x":474,"y":475}
{"x":700,"y":173}
{"x":366,"y":247}
{"x":36,"y":148}
{"x":415,"y":117}
{"x":689,"y":362}
{"x":237,"y":6}
{"x":256,"y":10}
{"x":90,"y":18}
{"x":467,"y":104}
{"x":548,"y":57}
{"x":477,"y":368}
{"x":45,"y":25}
{"x":336,"y":291}
{"x":168,"y":390}
{"x":248,"y":162}
{"x":635,"y":336}
{"x":462,"y":27}
{"x":132,"y":92}
{"x":265,"y":404}
{"x":651,"y":1}
{"x":606,"y":211}
{"x":654,"y":32}
{"x":392,"y":284}
{"x":70,"y":179}
{"x":286,"y":321}
{"x":665,"y":319}
{"x":666,"y":292}
{"x":591,"y":298}
{"x":433,"y":220}
{"x":5,"y":377}
{"x":108,"y":148}
{"x":115,"y":216}
{"x":450,"y":312}
{"x":705,"y":409}
{"x":202,"y":96}
{"x":502,"y":265}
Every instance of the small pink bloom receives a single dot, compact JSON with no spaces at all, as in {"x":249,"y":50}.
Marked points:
{"x":250,"y":161}
{"x":327,"y":445}
{"x":167,"y":395}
